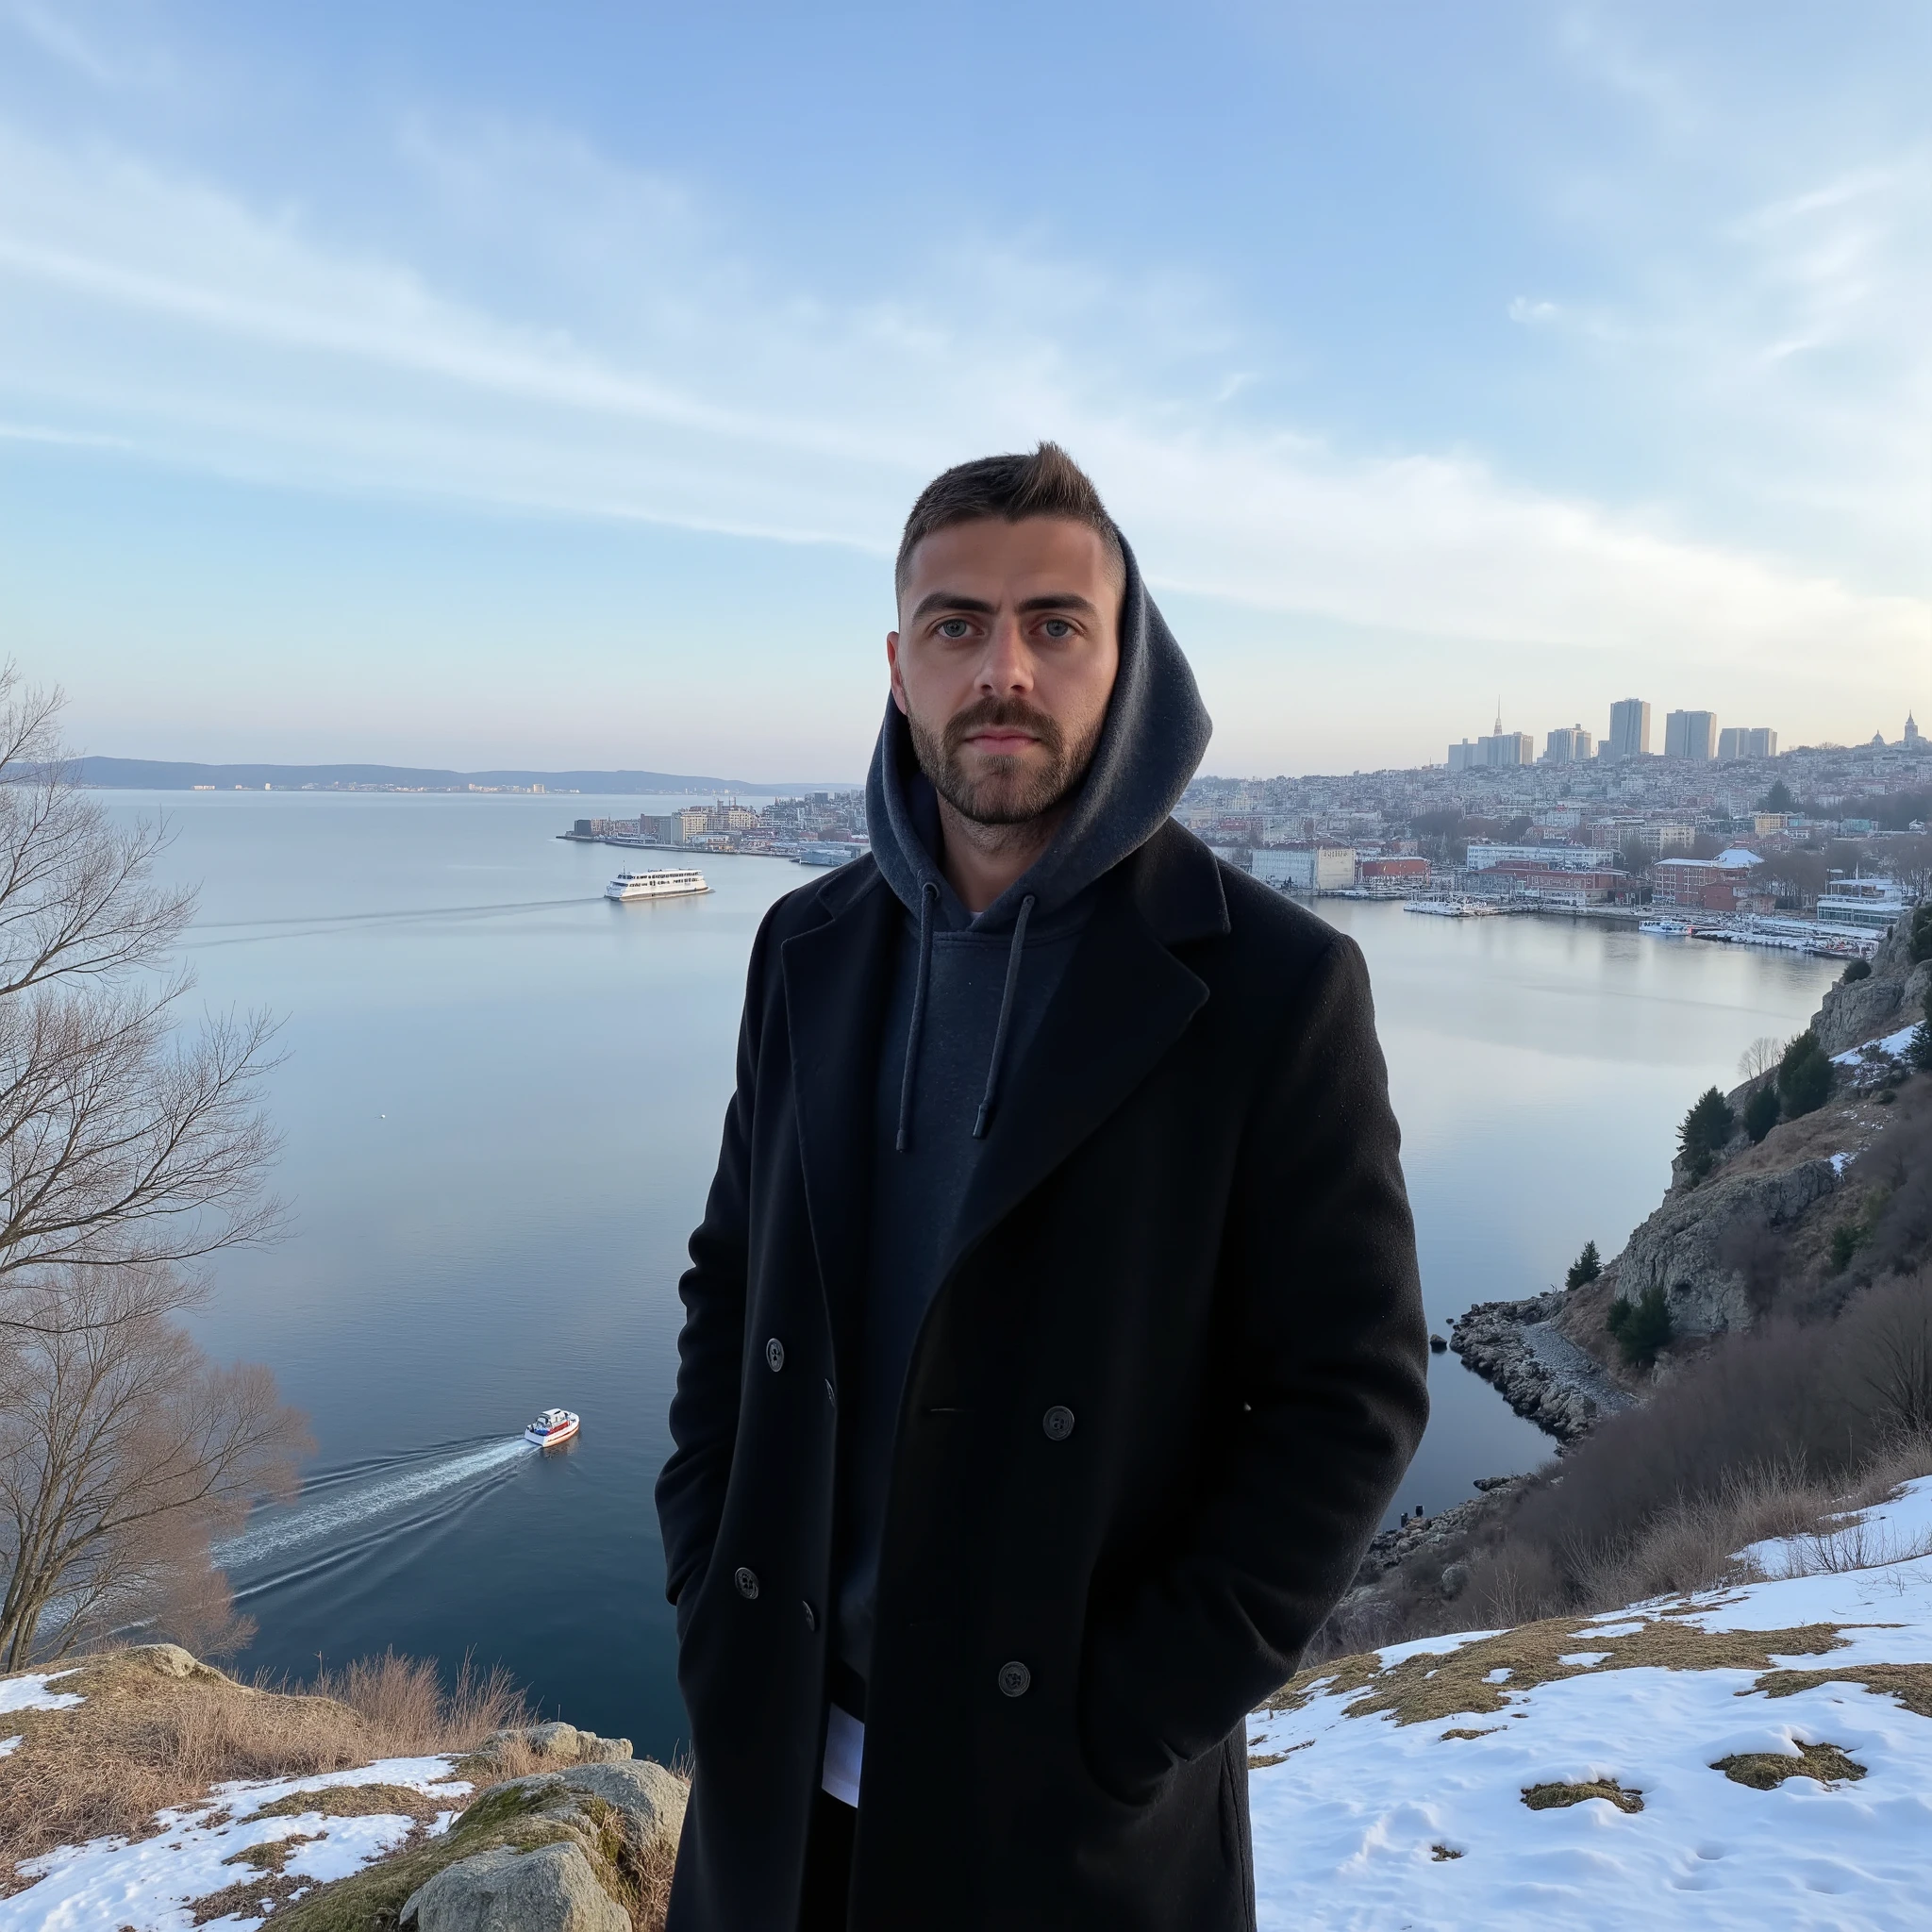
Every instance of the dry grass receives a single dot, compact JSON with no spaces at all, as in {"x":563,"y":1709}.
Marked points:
{"x":1909,"y":1684}
{"x":142,"y":1740}
{"x":1555,"y":1797}
{"x":355,"y":1801}
{"x":1429,"y":1685}
{"x":250,"y":1898}
{"x":1764,"y":1770}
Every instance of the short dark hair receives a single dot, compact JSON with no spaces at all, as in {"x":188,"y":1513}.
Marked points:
{"x":1048,"y":483}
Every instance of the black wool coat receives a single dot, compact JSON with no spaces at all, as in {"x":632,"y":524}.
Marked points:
{"x":1173,"y":1371}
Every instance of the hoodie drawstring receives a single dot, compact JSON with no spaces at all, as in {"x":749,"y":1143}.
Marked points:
{"x":928,"y":899}
{"x":999,"y":1034}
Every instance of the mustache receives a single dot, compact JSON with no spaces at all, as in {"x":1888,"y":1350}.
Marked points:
{"x":1011,"y":713}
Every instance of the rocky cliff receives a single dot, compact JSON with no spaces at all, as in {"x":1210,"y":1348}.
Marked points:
{"x":1758,"y":1231}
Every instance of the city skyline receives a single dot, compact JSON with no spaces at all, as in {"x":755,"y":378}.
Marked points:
{"x":436,"y":385}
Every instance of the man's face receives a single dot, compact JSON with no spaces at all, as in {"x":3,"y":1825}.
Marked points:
{"x":1005,"y":661}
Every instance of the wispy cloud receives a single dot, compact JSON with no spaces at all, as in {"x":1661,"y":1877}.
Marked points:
{"x":685,"y":388}
{"x":99,"y":55}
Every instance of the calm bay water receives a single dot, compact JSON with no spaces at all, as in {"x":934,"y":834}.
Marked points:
{"x":501,"y":1102}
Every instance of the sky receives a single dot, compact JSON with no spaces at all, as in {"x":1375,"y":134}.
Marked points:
{"x":474,"y":383}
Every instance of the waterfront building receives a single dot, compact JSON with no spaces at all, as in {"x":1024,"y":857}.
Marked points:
{"x":1392,"y":868}
{"x":1307,"y":868}
{"x":1691,"y":735}
{"x":1868,"y":905}
{"x":1705,"y":884}
{"x":1569,"y":744}
{"x":1629,"y":733}
{"x":1482,"y":855}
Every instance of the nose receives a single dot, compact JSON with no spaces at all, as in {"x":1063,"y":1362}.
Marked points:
{"x":1007,"y":669}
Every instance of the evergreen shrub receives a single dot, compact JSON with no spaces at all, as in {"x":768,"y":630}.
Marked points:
{"x":1643,"y":1327}
{"x":1585,"y":1269}
{"x":1804,"y":1076}
{"x":1761,"y":1112}
{"x":1705,"y":1131}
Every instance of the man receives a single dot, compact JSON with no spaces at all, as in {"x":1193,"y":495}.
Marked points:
{"x":1053,"y":1341}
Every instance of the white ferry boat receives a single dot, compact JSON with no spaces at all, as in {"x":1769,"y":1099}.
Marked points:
{"x":1668,"y":929}
{"x":1452,"y":909}
{"x":654,"y":884}
{"x":554,"y":1425}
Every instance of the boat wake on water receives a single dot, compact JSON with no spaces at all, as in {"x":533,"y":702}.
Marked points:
{"x":345,"y":1512}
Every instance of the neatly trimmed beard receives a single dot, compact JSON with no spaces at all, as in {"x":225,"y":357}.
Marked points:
{"x":1009,"y":794}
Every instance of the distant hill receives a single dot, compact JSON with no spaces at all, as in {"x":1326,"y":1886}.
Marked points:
{"x":161,"y":774}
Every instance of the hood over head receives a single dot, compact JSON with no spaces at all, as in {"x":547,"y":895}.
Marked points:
{"x":1154,"y":734}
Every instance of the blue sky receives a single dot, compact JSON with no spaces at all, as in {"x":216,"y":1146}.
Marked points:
{"x":482,"y":384}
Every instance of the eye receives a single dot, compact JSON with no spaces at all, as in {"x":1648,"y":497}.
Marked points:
{"x":1057,"y":627}
{"x":954,"y":627}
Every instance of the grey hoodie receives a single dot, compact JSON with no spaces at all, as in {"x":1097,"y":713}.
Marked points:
{"x":969,"y":995}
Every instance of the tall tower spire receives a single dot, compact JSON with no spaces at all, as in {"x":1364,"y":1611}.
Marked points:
{"x":1499,"y":715}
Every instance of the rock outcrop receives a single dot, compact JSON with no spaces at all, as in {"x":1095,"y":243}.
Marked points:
{"x":1689,"y":1246}
{"x":1536,"y":1368}
{"x":553,"y":1888}
{"x":558,"y":1851}
{"x":1417,"y":1535}
{"x":1856,"y":1010}
{"x":557,"y":1743}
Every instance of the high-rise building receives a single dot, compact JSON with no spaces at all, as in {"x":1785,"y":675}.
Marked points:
{"x":1747,"y":742}
{"x":1569,"y":744}
{"x":1629,"y":732}
{"x":1461,"y":756}
{"x":1691,"y":735}
{"x":1505,"y":748}
{"x":1914,"y":738}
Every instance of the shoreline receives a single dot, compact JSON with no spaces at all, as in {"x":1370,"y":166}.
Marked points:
{"x":1516,"y":1347}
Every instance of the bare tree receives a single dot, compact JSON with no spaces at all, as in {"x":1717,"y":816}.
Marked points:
{"x":122,"y":1142}
{"x":130,"y":1153}
{"x":1890,"y":1355}
{"x":123,"y":1450}
{"x":1762,"y":1055}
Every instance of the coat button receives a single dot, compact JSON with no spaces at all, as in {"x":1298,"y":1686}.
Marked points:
{"x":1058,"y":1422}
{"x":747,"y":1582}
{"x":774,"y":1355}
{"x":1015,"y":1679}
{"x":812,"y":1617}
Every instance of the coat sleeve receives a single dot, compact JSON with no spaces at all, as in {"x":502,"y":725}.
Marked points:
{"x":711,"y":1345}
{"x":1329,"y":1353}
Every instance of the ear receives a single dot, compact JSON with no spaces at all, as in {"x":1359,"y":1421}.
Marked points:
{"x":892,"y":667}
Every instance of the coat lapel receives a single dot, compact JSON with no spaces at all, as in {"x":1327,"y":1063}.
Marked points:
{"x":836,"y":986}
{"x":1124,"y":1001}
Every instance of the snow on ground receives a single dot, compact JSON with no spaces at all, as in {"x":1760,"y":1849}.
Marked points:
{"x":1893,"y":1045}
{"x":1363,"y":1820}
{"x":30,"y":1692}
{"x":109,"y":1884}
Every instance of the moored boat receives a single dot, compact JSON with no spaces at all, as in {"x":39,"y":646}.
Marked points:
{"x":552,"y":1426}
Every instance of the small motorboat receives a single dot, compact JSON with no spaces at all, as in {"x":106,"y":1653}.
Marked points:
{"x":552,"y":1426}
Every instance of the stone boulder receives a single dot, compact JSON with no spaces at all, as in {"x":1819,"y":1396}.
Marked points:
{"x":1683,"y":1247}
{"x":557,"y":1743}
{"x":581,"y":1846}
{"x":553,"y":1888}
